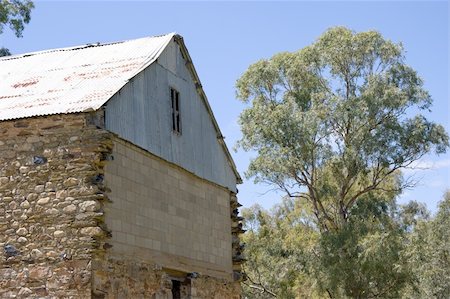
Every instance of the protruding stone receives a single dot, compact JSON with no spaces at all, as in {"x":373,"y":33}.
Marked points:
{"x":70,"y":182}
{"x":22,"y":240}
{"x":36,"y":253}
{"x":43,"y":201}
{"x":89,"y":206}
{"x":24,"y":169}
{"x":22,"y":231}
{"x":49,"y":186}
{"x":70,"y":209}
{"x":32,"y":197}
{"x":83,"y":216}
{"x":59,"y":234}
{"x":39,"y":188}
{"x":25,"y":204}
{"x":61,"y":193}
{"x":91,"y":231}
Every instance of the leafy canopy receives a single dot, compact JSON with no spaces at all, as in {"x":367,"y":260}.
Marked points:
{"x":289,"y":258}
{"x":429,"y":253}
{"x":333,"y":121}
{"x":14,"y":14}
{"x":278,"y":246}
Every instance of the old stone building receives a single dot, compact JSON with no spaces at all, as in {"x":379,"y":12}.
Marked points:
{"x":115,"y":181}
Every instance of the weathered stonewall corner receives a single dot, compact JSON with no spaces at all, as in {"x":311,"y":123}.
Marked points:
{"x":115,"y":181}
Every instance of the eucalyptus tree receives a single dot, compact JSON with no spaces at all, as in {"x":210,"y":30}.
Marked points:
{"x":287,"y":257}
{"x":14,"y":14}
{"x":278,"y":244}
{"x":429,"y":255}
{"x":336,"y":121}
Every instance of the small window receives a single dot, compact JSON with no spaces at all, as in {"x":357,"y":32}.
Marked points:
{"x":181,"y":288}
{"x":176,"y":289}
{"x":176,"y":116}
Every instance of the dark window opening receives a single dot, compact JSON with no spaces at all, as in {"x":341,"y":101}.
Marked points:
{"x":176,"y":289}
{"x":176,"y":116}
{"x":181,"y":288}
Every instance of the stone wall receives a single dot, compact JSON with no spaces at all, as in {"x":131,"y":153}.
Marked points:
{"x":50,"y":205}
{"x":65,"y":234}
{"x":119,"y":277}
{"x":208,"y":287}
{"x":163,"y":219}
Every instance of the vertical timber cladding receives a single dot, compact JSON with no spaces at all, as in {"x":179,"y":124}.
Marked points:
{"x":165,"y":219}
{"x":51,"y":197}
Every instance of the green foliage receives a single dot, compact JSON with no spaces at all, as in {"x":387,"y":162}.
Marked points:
{"x":330,"y":122}
{"x":278,"y":247}
{"x":333,"y":127}
{"x":429,"y":255}
{"x":384,"y":251}
{"x":14,"y":14}
{"x":288,"y":257}
{"x":365,"y":259}
{"x":4,"y":52}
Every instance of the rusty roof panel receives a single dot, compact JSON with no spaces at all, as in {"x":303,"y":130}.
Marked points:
{"x":74,"y":79}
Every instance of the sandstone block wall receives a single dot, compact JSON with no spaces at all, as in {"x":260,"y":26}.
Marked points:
{"x":50,"y":205}
{"x":163,"y":213}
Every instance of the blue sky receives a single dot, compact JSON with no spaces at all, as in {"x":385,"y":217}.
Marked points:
{"x":224,"y":38}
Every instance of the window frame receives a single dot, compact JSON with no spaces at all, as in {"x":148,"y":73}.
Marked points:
{"x":175,"y":110}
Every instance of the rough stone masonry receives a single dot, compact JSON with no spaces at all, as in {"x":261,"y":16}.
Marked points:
{"x":53,"y":236}
{"x":50,"y":205}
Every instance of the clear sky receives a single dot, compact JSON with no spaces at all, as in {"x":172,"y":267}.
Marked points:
{"x":224,"y":38}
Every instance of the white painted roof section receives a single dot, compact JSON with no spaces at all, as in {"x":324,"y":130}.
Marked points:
{"x":74,"y":79}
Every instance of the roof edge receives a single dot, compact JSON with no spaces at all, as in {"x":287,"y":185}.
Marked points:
{"x":80,"y":47}
{"x":190,"y":65}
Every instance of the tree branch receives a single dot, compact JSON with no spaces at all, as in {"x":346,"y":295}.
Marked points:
{"x":259,"y":286}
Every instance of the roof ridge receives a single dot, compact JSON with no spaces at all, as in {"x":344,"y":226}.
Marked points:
{"x":79,"y":47}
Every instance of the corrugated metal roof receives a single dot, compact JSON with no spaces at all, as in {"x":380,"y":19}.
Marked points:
{"x":74,"y":79}
{"x":82,"y":78}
